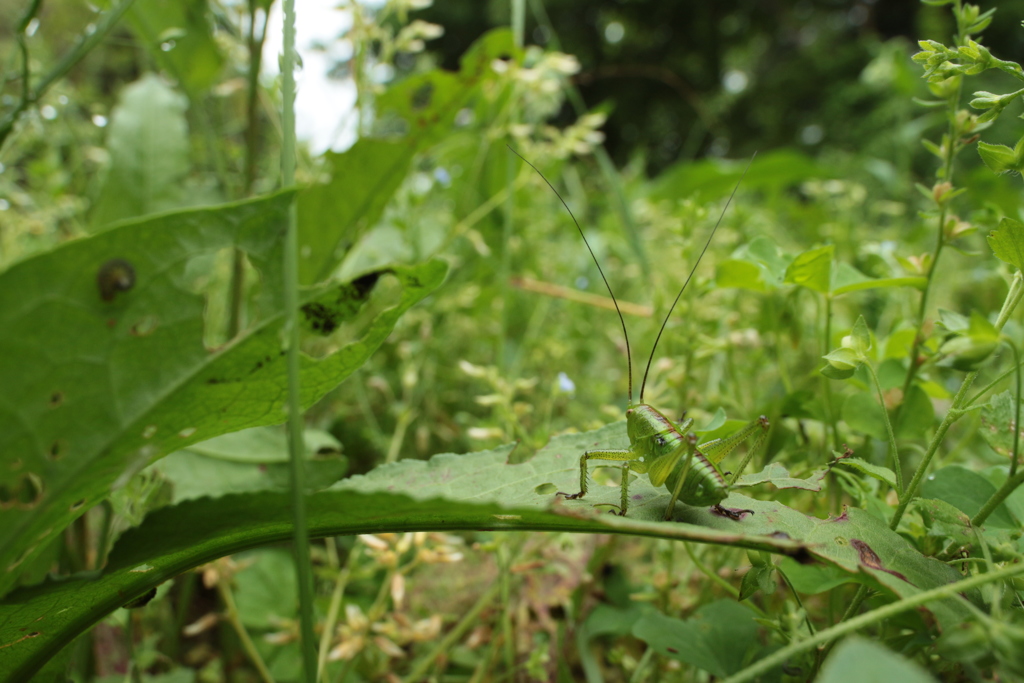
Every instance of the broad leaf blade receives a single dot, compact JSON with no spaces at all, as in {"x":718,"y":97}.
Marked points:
{"x":83,"y":404}
{"x":148,"y":144}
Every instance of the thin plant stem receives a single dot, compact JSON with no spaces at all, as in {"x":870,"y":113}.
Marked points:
{"x":991,"y":385}
{"x":826,"y":383}
{"x":951,"y":590}
{"x":946,"y":173}
{"x":231,"y":612}
{"x":340,"y":582}
{"x":86,"y":42}
{"x":956,"y":409}
{"x":296,"y":444}
{"x":421,"y":667}
{"x":254,"y":42}
{"x":896,"y":465}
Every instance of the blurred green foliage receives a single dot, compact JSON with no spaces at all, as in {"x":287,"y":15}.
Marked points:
{"x":849,"y":295}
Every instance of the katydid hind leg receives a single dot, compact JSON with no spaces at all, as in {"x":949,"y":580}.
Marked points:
{"x":691,"y":449}
{"x":718,"y":449}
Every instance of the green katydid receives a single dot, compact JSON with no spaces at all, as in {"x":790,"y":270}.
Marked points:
{"x":668,"y":453}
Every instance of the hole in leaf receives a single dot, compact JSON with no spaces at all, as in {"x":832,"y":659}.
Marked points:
{"x":210,"y":276}
{"x":77,"y":504}
{"x":145,"y":327}
{"x":25,"y":493}
{"x":545,"y":489}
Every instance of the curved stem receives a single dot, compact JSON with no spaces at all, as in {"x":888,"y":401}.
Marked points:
{"x":952,"y":590}
{"x":956,"y":409}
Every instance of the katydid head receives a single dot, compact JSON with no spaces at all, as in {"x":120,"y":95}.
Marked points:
{"x":630,"y":413}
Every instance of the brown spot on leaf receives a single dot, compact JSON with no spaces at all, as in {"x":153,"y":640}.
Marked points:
{"x":869,"y":558}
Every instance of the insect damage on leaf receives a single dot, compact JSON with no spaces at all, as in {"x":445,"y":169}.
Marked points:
{"x":116,"y":275}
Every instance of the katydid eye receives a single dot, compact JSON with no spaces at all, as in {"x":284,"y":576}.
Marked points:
{"x":116,"y":275}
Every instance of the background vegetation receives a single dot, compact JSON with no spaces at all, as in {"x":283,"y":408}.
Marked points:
{"x":850,"y":296}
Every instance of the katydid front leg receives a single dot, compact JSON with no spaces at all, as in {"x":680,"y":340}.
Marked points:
{"x":625,"y":456}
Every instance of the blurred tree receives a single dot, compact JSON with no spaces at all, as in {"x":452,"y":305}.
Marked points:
{"x":683,"y":77}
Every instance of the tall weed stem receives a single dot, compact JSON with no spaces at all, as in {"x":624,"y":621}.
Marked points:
{"x":956,"y":409}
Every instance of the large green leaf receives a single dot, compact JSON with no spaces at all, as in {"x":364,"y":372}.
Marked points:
{"x":857,"y":660}
{"x":148,"y":144}
{"x":719,"y":637}
{"x":452,"y":492}
{"x":93,"y":390}
{"x":334,"y":215}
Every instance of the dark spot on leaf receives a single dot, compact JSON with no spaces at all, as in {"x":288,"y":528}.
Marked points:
{"x":321,"y":319}
{"x":77,"y":504}
{"x":557,"y":612}
{"x":422,"y":96}
{"x":782,"y":535}
{"x":56,"y":398}
{"x":672,"y":650}
{"x":57,"y":449}
{"x":505,"y":57}
{"x":116,"y":275}
{"x":142,"y":600}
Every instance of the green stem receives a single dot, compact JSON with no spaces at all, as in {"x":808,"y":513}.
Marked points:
{"x":419,"y":671}
{"x":896,"y":465}
{"x":831,"y":424}
{"x":952,"y":590}
{"x":991,"y":385}
{"x":341,"y":581}
{"x":946,"y":174}
{"x":254,"y":41}
{"x":296,"y":444}
{"x":86,"y":42}
{"x":243,"y":634}
{"x":956,"y":409}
